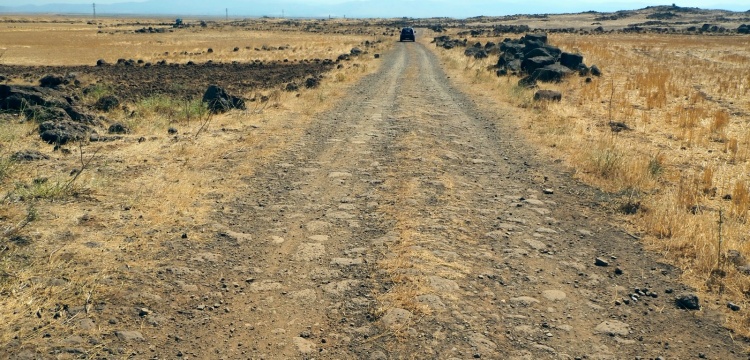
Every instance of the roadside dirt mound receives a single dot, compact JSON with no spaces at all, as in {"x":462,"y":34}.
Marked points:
{"x":179,"y":80}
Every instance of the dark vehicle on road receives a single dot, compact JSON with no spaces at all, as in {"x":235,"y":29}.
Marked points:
{"x":407,"y":33}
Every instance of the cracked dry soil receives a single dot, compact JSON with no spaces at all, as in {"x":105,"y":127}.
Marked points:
{"x":407,"y":223}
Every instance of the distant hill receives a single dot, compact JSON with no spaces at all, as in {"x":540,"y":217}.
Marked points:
{"x":295,"y":8}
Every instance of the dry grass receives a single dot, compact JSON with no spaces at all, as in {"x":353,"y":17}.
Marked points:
{"x":84,"y":245}
{"x":684,"y":163}
{"x":77,"y":43}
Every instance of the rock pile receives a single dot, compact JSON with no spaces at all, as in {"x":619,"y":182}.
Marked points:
{"x":60,"y":120}
{"x":533,"y":57}
{"x":220,"y":102}
{"x":446,"y":42}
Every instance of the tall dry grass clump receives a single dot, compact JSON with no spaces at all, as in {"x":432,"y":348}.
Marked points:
{"x":683,"y":166}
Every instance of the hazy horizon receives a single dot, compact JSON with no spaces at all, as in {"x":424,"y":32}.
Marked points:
{"x":351,"y":8}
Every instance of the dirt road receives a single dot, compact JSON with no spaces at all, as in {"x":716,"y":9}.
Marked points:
{"x":408,"y":224}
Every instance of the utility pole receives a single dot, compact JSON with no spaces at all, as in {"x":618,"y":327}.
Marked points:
{"x":227,"y":11}
{"x":282,"y":13}
{"x":94,"y":11}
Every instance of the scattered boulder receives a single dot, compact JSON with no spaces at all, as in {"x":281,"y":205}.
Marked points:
{"x":312,"y":83}
{"x":52,"y":81}
{"x":17,"y":98}
{"x":743,"y":29}
{"x":29,"y":155}
{"x":41,"y":114}
{"x":343,"y":57}
{"x":529,"y":65}
{"x":531,"y":55}
{"x":527,"y":82}
{"x":118,"y":128}
{"x":476,"y":52}
{"x":540,"y":37}
{"x":101,"y":62}
{"x":62,"y":132}
{"x":551,"y":73}
{"x":107,"y":103}
{"x":219,"y":101}
{"x":617,"y":126}
{"x":595,"y":70}
{"x":356,"y":51}
{"x":688,"y":301}
{"x":547,"y":95}
{"x":447,"y":43}
{"x":291,"y":87}
{"x":571,"y":61}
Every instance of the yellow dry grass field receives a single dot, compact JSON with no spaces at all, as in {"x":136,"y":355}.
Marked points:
{"x":680,"y":176}
{"x":74,"y":228}
{"x":74,"y":41}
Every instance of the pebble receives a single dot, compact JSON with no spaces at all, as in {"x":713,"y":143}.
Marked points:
{"x":601,"y":262}
{"x":733,"y":306}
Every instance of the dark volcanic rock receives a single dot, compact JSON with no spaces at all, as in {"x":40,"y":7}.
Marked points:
{"x":477,"y":53}
{"x":41,"y":114}
{"x":312,"y":82}
{"x":550,"y":73}
{"x":17,"y":98}
{"x":688,"y":301}
{"x":219,"y":101}
{"x":527,"y":82}
{"x":29,"y":155}
{"x":291,"y":87}
{"x":571,"y":61}
{"x":52,"y":81}
{"x":548,"y":95}
{"x":356,"y":51}
{"x":538,"y":52}
{"x":62,"y":132}
{"x":107,"y":103}
{"x":530,"y":65}
{"x":118,"y":128}
{"x":595,"y":70}
{"x":541,"y":37}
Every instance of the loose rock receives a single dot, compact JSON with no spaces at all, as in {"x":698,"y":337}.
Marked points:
{"x":688,"y":301}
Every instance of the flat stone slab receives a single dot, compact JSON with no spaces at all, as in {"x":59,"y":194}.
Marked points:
{"x":309,"y":252}
{"x":319,"y":238}
{"x":443,"y":285}
{"x":612,"y":328}
{"x":128,"y":335}
{"x":303,"y":345}
{"x":396,"y":318}
{"x":554,"y":295}
{"x":524,"y":300}
{"x":346,"y":261}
